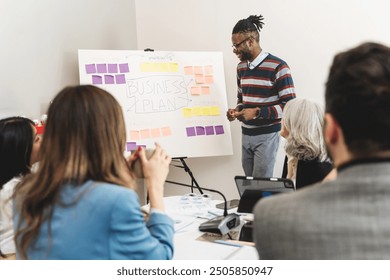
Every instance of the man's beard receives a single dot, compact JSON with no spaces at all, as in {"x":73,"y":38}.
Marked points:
{"x":245,"y":55}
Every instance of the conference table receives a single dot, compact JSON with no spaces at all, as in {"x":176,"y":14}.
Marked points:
{"x":189,"y":211}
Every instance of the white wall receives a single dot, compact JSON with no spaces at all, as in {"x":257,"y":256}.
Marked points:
{"x":39,"y":43}
{"x":305,"y":33}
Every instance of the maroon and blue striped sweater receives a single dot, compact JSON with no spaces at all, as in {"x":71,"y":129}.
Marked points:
{"x":268,"y":86}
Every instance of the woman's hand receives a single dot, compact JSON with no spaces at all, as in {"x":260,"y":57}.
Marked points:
{"x":155,"y":171}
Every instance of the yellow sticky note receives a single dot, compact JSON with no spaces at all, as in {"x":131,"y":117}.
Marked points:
{"x":187,"y":112}
{"x":174,"y":67}
{"x":215,"y":111}
{"x":146,"y":67}
{"x":206,"y":111}
{"x":197,"y":111}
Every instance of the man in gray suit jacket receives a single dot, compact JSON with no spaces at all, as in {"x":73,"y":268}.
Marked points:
{"x":348,"y":218}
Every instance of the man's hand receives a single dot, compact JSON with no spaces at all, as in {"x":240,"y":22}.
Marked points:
{"x":231,"y":114}
{"x":247,"y":114}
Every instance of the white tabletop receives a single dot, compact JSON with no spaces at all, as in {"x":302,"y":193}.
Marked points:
{"x":188,"y":213}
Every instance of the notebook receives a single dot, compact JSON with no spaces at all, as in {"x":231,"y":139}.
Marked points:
{"x":251,"y":190}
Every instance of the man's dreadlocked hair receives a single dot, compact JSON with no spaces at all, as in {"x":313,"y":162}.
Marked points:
{"x":251,"y":24}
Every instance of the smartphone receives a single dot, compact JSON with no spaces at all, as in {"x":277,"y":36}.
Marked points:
{"x":230,"y":204}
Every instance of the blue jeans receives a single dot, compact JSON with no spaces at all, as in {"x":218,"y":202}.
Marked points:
{"x":259,"y":154}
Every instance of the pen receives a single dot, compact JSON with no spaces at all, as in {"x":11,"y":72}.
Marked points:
{"x":227,"y":243}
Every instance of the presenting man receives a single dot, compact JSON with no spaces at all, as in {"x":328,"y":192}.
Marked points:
{"x":347,"y":218}
{"x":264,"y":87}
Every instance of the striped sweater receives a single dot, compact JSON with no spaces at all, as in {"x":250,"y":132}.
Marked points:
{"x":268,"y":86}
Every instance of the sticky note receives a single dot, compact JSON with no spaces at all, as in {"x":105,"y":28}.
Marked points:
{"x":166,"y":131}
{"x":188,"y":70}
{"x":205,"y":89}
{"x":200,"y":130}
{"x":199,"y":79}
{"x":101,"y":68}
{"x":209,"y":79}
{"x":219,"y":129}
{"x":134,"y":135}
{"x":209,"y":130}
{"x":124,"y":68}
{"x":90,"y":68}
{"x":198,"y":70}
{"x":174,"y":67}
{"x":190,"y":131}
{"x":97,"y":80}
{"x":187,"y":112}
{"x":145,"y":133}
{"x":208,"y":69}
{"x":120,"y":79}
{"x":195,"y":90}
{"x":109,"y":79}
{"x":155,"y":132}
{"x":215,"y":111}
{"x":131,"y":146}
{"x":112,"y":68}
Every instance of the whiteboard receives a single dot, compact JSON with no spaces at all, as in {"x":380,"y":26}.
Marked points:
{"x":177,"y":99}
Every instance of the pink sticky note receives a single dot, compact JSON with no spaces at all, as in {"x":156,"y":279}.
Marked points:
{"x":155,"y":132}
{"x":131,"y":146}
{"x":190,"y":131}
{"x":199,"y":79}
{"x":209,"y":79}
{"x":205,"y":90}
{"x":120,"y":79}
{"x":90,"y":68}
{"x":195,"y":90}
{"x":112,"y":68}
{"x":124,"y":68}
{"x":134,"y":135}
{"x":209,"y":130}
{"x":145,"y":133}
{"x":97,"y":80}
{"x":188,"y":70}
{"x":219,"y":129}
{"x":101,"y":68}
{"x":200,"y":130}
{"x":109,"y":79}
{"x":166,"y":131}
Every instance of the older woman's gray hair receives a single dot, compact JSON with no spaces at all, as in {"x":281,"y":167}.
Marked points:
{"x":304,"y":120}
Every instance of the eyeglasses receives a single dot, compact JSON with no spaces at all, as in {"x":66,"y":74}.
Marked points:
{"x":236,"y":46}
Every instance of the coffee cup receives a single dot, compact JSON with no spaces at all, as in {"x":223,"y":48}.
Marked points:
{"x":137,"y":165}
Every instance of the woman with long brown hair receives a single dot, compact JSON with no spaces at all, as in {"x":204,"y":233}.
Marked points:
{"x":80,"y":203}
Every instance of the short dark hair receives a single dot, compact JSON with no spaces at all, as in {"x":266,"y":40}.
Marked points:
{"x":16,"y":141}
{"x":251,"y":24}
{"x":358,"y":96}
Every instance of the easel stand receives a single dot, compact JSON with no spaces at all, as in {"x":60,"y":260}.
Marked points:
{"x":184,"y":165}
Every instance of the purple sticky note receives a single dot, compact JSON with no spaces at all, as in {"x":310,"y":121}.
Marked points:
{"x":131,"y":146}
{"x":190,"y":131}
{"x":120,"y":79}
{"x":209,"y":130}
{"x":200,"y":130}
{"x":109,"y":79}
{"x":219,"y":129}
{"x":90,"y":68}
{"x":112,"y":68}
{"x":97,"y":80}
{"x":101,"y":68}
{"x":124,"y":68}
